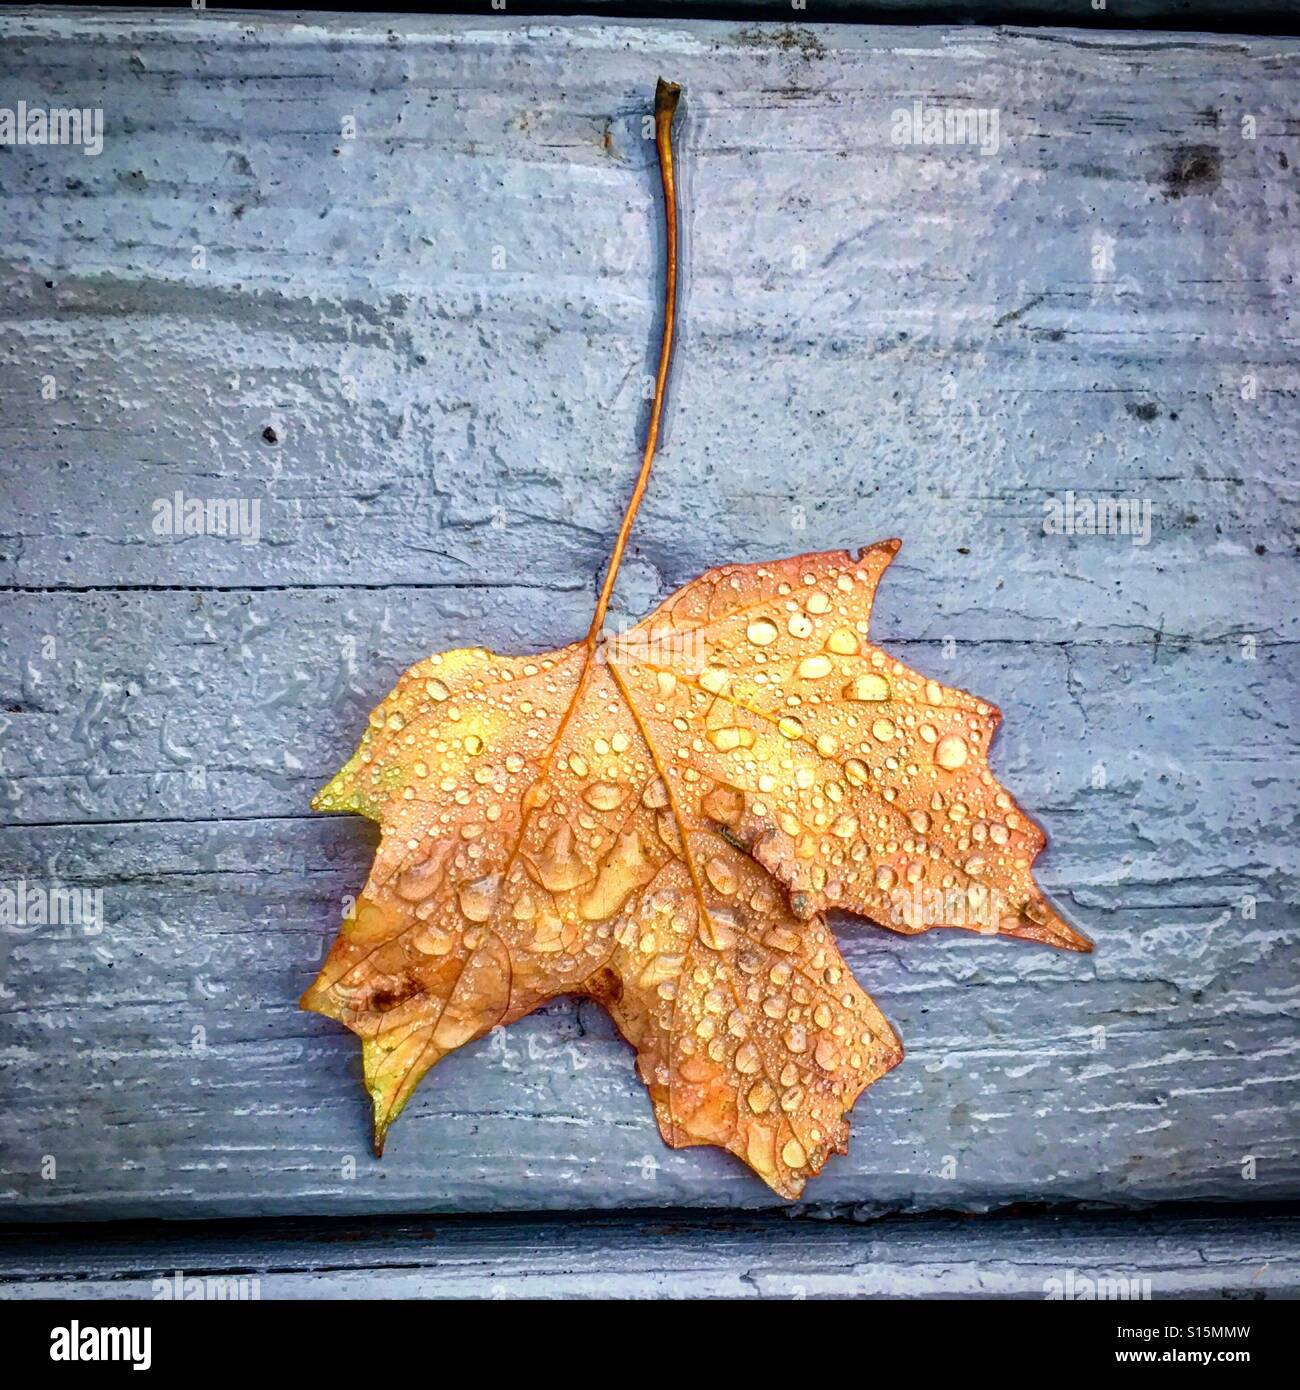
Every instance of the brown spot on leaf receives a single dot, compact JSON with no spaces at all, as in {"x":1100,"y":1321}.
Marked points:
{"x":605,"y":987}
{"x":389,"y":998}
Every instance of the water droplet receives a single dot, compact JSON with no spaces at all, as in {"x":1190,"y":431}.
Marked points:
{"x":813,"y":668}
{"x":473,"y":745}
{"x":790,"y":727}
{"x":514,"y":763}
{"x":655,"y":795}
{"x":721,"y":875}
{"x":845,"y":827}
{"x":883,"y":730}
{"x":920,"y":821}
{"x":826,"y":1055}
{"x":843,"y":642}
{"x":760,"y":1097}
{"x":951,"y":752}
{"x":817,"y":602}
{"x":748,"y":1060}
{"x":723,"y":804}
{"x":793,"y":1155}
{"x":731,"y":737}
{"x":856,"y":771}
{"x":435,"y":690}
{"x":719,"y":929}
{"x":781,"y":939}
{"x":867,"y":687}
{"x":433,"y":941}
{"x":885,"y":878}
{"x":714,"y":679}
{"x":662,"y":969}
{"x":799,"y":626}
{"x":762,"y":632}
{"x":477,"y":899}
{"x":558,"y":867}
{"x":605,"y":796}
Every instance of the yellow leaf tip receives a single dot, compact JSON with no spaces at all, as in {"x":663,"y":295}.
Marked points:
{"x":889,"y":547}
{"x":1059,"y":933}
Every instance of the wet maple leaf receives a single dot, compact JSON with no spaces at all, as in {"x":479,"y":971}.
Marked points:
{"x":657,"y":821}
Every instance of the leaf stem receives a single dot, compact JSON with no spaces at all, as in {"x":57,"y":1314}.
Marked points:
{"x":666,"y":98}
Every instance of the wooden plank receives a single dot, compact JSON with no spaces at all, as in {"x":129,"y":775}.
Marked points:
{"x":146,"y":705}
{"x":908,"y":339}
{"x":879,"y":339}
{"x":162,"y":1063}
{"x":1161,"y":1257}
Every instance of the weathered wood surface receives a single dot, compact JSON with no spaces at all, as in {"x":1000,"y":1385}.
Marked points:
{"x":879,"y":339}
{"x":1063,"y":1257}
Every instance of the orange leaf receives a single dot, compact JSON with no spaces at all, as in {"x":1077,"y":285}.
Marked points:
{"x":656,"y":821}
{"x":578,"y":823}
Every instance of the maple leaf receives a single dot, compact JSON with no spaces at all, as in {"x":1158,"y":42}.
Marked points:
{"x":537,"y":841}
{"x":657,"y":821}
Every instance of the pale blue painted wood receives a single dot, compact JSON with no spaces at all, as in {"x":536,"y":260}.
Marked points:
{"x":1053,"y":1258}
{"x":879,"y":339}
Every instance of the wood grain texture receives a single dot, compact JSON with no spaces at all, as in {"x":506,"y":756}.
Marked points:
{"x":1070,"y":1257}
{"x":446,"y":322}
